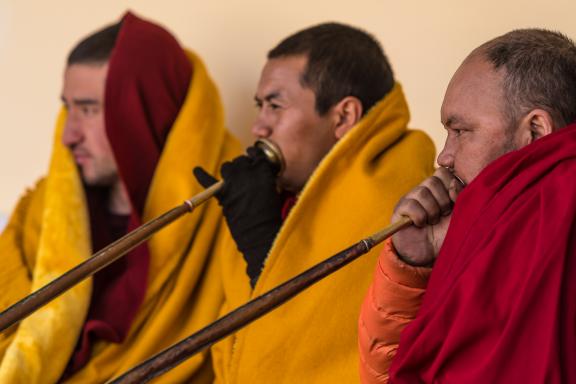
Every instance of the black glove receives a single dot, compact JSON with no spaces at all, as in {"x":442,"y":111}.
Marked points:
{"x":251,"y":205}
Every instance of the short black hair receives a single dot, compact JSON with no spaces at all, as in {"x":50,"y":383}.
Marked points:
{"x":342,"y":61}
{"x":540,"y":72}
{"x":96,"y":48}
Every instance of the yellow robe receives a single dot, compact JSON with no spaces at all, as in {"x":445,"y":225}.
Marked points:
{"x":49,"y":233}
{"x":313,"y":338}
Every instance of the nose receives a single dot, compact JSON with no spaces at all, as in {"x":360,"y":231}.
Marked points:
{"x":261,"y":127}
{"x":72,"y":134}
{"x":446,"y":156}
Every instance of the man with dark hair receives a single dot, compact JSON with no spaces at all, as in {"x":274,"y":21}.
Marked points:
{"x":138,"y":112}
{"x":500,"y":217}
{"x":328,"y":98}
{"x":96,"y":48}
{"x":342,"y":61}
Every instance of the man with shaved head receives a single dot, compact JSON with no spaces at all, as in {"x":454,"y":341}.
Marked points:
{"x":498,"y":223}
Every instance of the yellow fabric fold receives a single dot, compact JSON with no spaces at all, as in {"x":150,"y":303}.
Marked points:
{"x":183,"y":293}
{"x":39,"y":350}
{"x":313,"y":338}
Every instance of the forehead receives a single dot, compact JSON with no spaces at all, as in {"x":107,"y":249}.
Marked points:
{"x":282,"y":74}
{"x":475,"y":91}
{"x":85,"y":79}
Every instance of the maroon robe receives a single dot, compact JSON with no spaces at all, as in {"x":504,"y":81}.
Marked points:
{"x":501,"y":303}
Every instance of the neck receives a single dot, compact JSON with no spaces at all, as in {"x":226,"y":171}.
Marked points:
{"x":119,"y":202}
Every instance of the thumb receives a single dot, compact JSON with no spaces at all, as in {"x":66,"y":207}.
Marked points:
{"x":456,"y":186}
{"x":259,"y":157}
{"x":204,"y":178}
{"x":255,"y":152}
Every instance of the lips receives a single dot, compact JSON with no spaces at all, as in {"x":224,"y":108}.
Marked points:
{"x":462,"y":182}
{"x":81,"y":156}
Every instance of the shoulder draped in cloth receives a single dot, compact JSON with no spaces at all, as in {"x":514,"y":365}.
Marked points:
{"x":173,"y":286}
{"x":312,"y":338}
{"x":501,"y":302}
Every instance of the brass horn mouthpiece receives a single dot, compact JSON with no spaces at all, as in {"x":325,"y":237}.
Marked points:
{"x":272,"y":152}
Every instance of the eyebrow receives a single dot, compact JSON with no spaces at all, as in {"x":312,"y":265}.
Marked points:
{"x":81,"y":102}
{"x":451,"y":120}
{"x":268,"y":97}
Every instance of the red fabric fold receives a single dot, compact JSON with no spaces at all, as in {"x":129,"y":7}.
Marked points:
{"x":501,"y":303}
{"x":147,"y":82}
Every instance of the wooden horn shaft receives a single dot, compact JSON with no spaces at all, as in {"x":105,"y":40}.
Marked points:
{"x":37,"y":299}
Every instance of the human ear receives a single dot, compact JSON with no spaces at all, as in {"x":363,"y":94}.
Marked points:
{"x":348,"y":113}
{"x":536,"y":124}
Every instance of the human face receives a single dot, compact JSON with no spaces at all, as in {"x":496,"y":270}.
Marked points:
{"x":288,"y":117}
{"x":473,"y":114}
{"x":84,"y":132}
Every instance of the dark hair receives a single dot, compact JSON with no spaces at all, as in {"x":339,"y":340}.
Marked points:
{"x":540,"y":72}
{"x":342,"y":61}
{"x":96,"y":48}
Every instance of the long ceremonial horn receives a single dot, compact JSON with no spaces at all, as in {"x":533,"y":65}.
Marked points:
{"x":252,"y":310}
{"x":21,"y":309}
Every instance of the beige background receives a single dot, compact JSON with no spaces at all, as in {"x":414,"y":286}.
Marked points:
{"x":425,"y":41}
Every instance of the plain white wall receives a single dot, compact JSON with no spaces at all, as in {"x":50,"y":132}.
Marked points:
{"x":424,"y":40}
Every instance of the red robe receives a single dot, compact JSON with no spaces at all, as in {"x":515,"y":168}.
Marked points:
{"x":501,"y":303}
